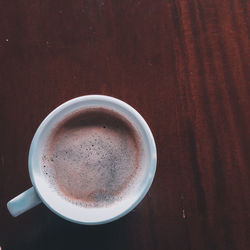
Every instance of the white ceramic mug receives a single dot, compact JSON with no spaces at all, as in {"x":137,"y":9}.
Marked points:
{"x":41,"y":192}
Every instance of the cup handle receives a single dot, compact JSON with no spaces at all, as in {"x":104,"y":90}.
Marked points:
{"x":23,"y":202}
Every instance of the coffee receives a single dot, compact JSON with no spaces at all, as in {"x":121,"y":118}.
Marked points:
{"x":93,"y":157}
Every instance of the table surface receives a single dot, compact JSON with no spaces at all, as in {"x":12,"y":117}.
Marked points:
{"x":183,"y":65}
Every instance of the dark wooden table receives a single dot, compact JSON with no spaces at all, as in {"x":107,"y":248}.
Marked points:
{"x":183,"y":65}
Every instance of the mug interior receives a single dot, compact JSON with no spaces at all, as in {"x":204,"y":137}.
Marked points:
{"x":91,"y":215}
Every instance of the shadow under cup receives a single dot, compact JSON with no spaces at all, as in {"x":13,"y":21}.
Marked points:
{"x":91,"y":215}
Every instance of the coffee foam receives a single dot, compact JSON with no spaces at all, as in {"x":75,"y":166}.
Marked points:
{"x":93,"y":157}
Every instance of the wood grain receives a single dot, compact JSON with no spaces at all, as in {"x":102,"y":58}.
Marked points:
{"x":183,"y":65}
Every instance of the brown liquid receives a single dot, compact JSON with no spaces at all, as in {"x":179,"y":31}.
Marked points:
{"x":93,"y":157}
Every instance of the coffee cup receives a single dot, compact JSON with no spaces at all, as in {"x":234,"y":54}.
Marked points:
{"x":91,"y":161}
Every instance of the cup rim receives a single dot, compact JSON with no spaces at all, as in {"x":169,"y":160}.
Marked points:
{"x":79,"y":99}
